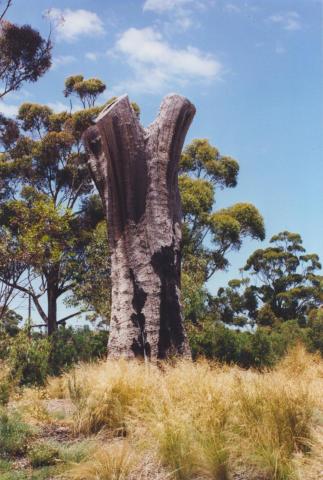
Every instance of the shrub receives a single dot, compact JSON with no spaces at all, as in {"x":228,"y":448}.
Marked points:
{"x":315,"y":333}
{"x":43,"y":454}
{"x":28,"y":359}
{"x":76,"y":452}
{"x":70,"y":346}
{"x":4,"y":392}
{"x":215,"y":341}
{"x":13,"y":434}
{"x":5,"y":383}
{"x":33,"y":358}
{"x":4,"y":345}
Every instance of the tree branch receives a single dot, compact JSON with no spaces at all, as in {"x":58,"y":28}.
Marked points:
{"x":32,"y":294}
{"x":9,"y":2}
{"x":68,"y":317}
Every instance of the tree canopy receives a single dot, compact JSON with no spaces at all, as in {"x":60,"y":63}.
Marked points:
{"x":24,"y":55}
{"x":284,"y":284}
{"x":46,"y":215}
{"x":209,"y":234}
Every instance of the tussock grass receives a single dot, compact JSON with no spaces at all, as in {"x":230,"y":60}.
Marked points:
{"x":32,"y":407}
{"x":78,"y":451}
{"x":106,"y":401}
{"x":57,"y":387}
{"x":198,"y":420}
{"x":113,"y":462}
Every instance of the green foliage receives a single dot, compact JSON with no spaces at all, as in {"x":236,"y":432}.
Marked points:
{"x":204,"y":160}
{"x":86,"y":90}
{"x":196,"y":195}
{"x":14,"y":434}
{"x":4,"y":391}
{"x":4,"y":345}
{"x":284,"y":285}
{"x":70,"y":346}
{"x":316,"y":330}
{"x":44,"y":220}
{"x":34,"y":117}
{"x":24,"y":56}
{"x":259,"y":349}
{"x":76,"y":452}
{"x":9,"y":321}
{"x":207,"y":234}
{"x":29,"y":359}
{"x":43,"y":454}
{"x":5,"y":466}
{"x":93,"y":281}
{"x":6,"y":383}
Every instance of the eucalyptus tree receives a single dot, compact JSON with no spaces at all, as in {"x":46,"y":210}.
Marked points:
{"x":283,"y":284}
{"x":45,"y":216}
{"x":209,"y":234}
{"x":24,"y":55}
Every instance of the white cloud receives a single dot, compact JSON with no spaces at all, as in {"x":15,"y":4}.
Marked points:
{"x":20,"y":95}
{"x":72,"y":24}
{"x":59,"y":107}
{"x":62,"y":60}
{"x":289,"y":21}
{"x":232,"y":8}
{"x":162,"y":6}
{"x":93,"y":56}
{"x":8,"y":110}
{"x":157,"y":65}
{"x":181,"y":11}
{"x":280,"y":50}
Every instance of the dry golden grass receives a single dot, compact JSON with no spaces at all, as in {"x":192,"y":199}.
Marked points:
{"x":57,"y":387}
{"x":113,"y":462}
{"x":200,"y":420}
{"x":31,"y":406}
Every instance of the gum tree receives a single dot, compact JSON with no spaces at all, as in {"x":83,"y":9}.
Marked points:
{"x":284,"y":284}
{"x":24,"y":55}
{"x":46,"y":214}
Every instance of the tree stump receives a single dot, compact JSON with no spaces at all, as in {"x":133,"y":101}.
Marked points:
{"x":136,"y":173}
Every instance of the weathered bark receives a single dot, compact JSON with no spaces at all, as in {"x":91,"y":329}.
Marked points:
{"x":135,"y":171}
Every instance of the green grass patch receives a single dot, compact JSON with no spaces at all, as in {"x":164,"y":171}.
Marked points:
{"x":43,"y":454}
{"x":14,"y":434}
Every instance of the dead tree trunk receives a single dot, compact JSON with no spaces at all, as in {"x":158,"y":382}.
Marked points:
{"x":135,"y":170}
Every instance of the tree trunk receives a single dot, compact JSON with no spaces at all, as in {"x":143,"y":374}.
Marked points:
{"x":135,"y":170}
{"x":52,"y":280}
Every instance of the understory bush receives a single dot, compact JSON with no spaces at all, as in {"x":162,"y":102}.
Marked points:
{"x":43,"y":454}
{"x":262,"y":348}
{"x":14,"y":434}
{"x":6,"y":384}
{"x":32,"y":358}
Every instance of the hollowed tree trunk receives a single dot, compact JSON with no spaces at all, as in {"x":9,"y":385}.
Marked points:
{"x":135,"y":170}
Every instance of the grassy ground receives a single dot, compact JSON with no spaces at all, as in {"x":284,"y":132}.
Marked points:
{"x":130,"y":421}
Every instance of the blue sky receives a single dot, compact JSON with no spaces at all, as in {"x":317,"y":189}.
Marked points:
{"x":252,"y":68}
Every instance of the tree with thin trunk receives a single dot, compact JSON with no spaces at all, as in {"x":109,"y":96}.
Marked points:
{"x":46,"y":210}
{"x":136,"y":173}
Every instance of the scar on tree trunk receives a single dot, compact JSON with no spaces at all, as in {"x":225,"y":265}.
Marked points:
{"x":136,"y":173}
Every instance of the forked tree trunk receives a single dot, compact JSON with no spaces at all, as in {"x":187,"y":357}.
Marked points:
{"x":135,"y":170}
